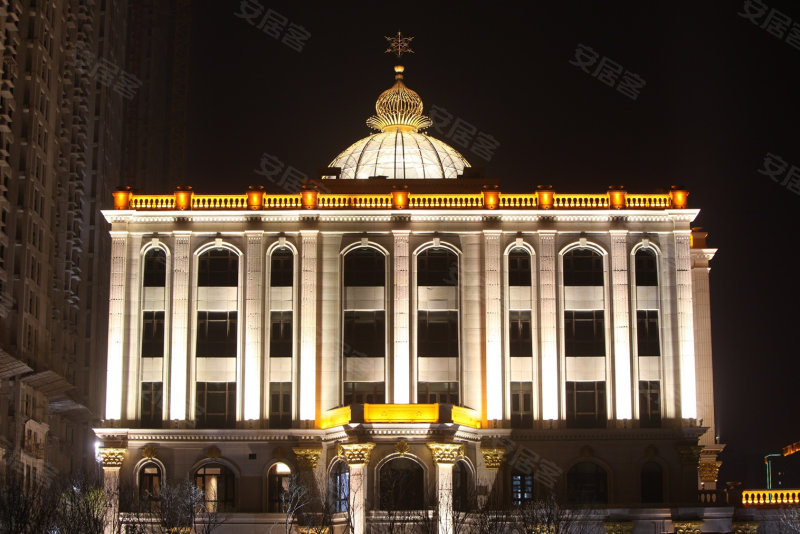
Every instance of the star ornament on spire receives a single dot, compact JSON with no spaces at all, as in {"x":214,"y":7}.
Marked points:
{"x":399,"y":45}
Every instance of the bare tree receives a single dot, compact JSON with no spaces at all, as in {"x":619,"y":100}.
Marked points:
{"x":26,"y":505}
{"x":295,"y":498}
{"x":81,"y":505}
{"x":182,"y":507}
{"x":546,"y":515}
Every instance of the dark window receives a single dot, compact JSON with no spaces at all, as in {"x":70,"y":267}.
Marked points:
{"x":152,"y":395}
{"x":278,"y":482}
{"x":149,"y":482}
{"x":218,"y":484}
{"x":364,"y":393}
{"x":364,"y":334}
{"x":519,"y":330}
{"x":583,"y":267}
{"x":519,"y":267}
{"x":216,"y":405}
{"x":647,"y":338}
{"x":364,"y":266}
{"x":652,"y":483}
{"x":649,"y":403}
{"x":462,"y":495}
{"x":280,"y":334}
{"x":340,"y":487}
{"x":281,"y":273}
{"x":153,"y":334}
{"x":587,"y":483}
{"x":280,"y":405}
{"x":216,"y":334}
{"x":218,"y":267}
{"x":437,"y":266}
{"x":437,"y":334}
{"x":586,"y":404}
{"x":155,"y":268}
{"x":437,"y":392}
{"x":521,"y":405}
{"x":521,"y":488}
{"x":401,"y":485}
{"x":646,"y":267}
{"x":584,"y":333}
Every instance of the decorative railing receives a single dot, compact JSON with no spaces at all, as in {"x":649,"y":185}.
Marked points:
{"x":399,"y":413}
{"x":770,"y":497}
{"x":489,"y":199}
{"x":717,"y":497}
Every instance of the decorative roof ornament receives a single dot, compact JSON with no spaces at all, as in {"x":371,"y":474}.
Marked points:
{"x":399,"y":108}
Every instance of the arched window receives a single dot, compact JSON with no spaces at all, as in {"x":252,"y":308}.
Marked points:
{"x":652,"y":483}
{"x":218,"y":267}
{"x":461,"y":487}
{"x":587,"y":483}
{"x":364,"y":267}
{"x":281,"y":273}
{"x":646,"y":267}
{"x":521,"y":487}
{"x":218,"y":485}
{"x":583,"y":267}
{"x":437,"y":266}
{"x":402,"y":485}
{"x":149,"y":482}
{"x":339,"y":487}
{"x":155,"y":268}
{"x":519,"y":267}
{"x":278,"y":488}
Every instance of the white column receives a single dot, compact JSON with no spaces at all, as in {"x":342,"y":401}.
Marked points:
{"x":402,"y":355}
{"x":471,"y":316}
{"x":112,"y":462}
{"x":494,"y":326}
{"x":445,"y":455}
{"x":683,"y":288}
{"x":623,"y":387}
{"x":702,"y":342}
{"x":330,"y":378}
{"x":134,"y":313}
{"x":179,"y":354}
{"x":308,"y":326}
{"x":116,"y":325}
{"x":357,"y":457}
{"x":549,"y":324}
{"x":253,"y":309}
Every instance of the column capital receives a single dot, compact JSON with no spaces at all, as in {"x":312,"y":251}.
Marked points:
{"x":687,"y":527}
{"x":356,"y":453}
{"x":493,"y":457}
{"x":307,"y":458}
{"x":446,"y":453}
{"x":112,"y":457}
{"x":745,"y":527}
{"x":618,"y":527}
{"x":708,"y":471}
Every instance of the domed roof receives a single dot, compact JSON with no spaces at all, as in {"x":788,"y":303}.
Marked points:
{"x":400,"y":150}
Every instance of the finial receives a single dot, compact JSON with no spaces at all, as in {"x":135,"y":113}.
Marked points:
{"x":399,"y":45}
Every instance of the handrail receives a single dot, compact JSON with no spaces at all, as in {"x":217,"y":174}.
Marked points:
{"x":445,"y":200}
{"x":770,"y":497}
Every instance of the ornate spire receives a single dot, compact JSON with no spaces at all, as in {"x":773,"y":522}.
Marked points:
{"x":399,"y":108}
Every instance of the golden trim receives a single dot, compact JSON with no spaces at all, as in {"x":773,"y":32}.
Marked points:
{"x":493,"y":457}
{"x":708,"y":471}
{"x":687,"y":527}
{"x":307,"y":458}
{"x":112,"y":457}
{"x":357,"y":453}
{"x":149,"y":452}
{"x":618,"y":527}
{"x":446,"y":453}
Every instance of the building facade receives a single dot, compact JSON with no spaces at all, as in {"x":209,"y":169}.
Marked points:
{"x":59,"y":149}
{"x":403,"y":321}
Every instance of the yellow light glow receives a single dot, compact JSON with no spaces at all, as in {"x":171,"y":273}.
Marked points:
{"x":770,"y":497}
{"x":466,"y":417}
{"x":401,"y":413}
{"x":335,"y":417}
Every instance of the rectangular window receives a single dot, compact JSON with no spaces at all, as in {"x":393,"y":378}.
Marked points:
{"x":280,"y":405}
{"x":521,"y":488}
{"x":437,"y":334}
{"x":218,"y":267}
{"x":649,"y":403}
{"x":280,"y":334}
{"x":281,"y":272}
{"x":584,"y":333}
{"x":151,"y":404}
{"x":216,"y":334}
{"x":586,"y":404}
{"x":364,"y":393}
{"x":153,"y":334}
{"x":437,"y":392}
{"x":647,"y":338}
{"x":364,"y":334}
{"x":216,"y":405}
{"x":519,"y":333}
{"x":521,"y":404}
{"x":519,"y":268}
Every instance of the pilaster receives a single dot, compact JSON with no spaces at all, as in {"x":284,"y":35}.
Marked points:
{"x":549,"y":324}
{"x":179,"y":355}
{"x":307,"y":405}
{"x":357,"y":457}
{"x":116,"y":325}
{"x":685,"y":312}
{"x":402,"y":332}
{"x":494,"y":325}
{"x":620,"y":300}
{"x":252,"y":373}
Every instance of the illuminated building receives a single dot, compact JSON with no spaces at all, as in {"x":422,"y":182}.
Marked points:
{"x":413,"y":319}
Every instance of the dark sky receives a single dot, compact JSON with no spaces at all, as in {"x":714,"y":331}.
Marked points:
{"x":720,"y":94}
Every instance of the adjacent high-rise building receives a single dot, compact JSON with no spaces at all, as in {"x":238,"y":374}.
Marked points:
{"x":64,"y":86}
{"x":415,"y":337}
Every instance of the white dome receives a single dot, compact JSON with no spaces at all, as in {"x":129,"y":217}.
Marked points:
{"x":400,"y":155}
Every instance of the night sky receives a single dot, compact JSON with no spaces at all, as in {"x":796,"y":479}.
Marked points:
{"x":719,"y":95}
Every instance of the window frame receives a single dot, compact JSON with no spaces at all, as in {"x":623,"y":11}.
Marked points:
{"x":598,"y":418}
{"x":202,"y":414}
{"x":576,"y":256}
{"x":228,"y":477}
